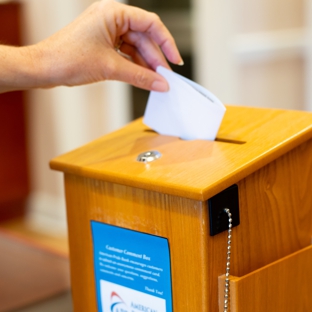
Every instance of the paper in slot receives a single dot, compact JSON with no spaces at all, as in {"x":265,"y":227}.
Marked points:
{"x":187,"y":110}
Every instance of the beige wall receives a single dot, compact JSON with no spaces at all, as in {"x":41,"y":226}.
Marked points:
{"x":268,"y":15}
{"x":254,"y":52}
{"x":273,"y":81}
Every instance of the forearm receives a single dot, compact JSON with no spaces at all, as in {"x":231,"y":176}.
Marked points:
{"x":85,"y":52}
{"x":20,"y":68}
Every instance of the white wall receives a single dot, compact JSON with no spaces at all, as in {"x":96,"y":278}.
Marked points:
{"x":62,"y":119}
{"x":255,"y":53}
{"x":214,"y":65}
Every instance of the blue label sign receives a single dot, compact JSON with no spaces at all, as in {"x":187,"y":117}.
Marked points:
{"x":132,"y":270}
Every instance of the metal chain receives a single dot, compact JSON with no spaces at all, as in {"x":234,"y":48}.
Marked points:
{"x":228,"y":259}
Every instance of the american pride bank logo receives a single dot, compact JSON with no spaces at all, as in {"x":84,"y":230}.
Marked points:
{"x":117,"y":304}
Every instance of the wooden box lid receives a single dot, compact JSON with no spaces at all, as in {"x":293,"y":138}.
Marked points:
{"x":248,"y":139}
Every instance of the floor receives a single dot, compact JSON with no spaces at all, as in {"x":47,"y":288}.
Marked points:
{"x":34,"y":270}
{"x":21,"y":228}
{"x":61,"y":303}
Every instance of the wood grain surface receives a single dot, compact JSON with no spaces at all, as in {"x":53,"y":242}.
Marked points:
{"x":274,"y":177}
{"x":275,"y":212}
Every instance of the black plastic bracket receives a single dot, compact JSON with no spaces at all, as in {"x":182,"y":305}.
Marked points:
{"x":218,"y":218}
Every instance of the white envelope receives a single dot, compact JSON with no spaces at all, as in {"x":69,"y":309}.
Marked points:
{"x":187,"y":110}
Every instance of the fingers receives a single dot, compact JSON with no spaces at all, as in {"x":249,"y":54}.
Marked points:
{"x":141,"y":45}
{"x":136,"y":75}
{"x":140,"y":21}
{"x":134,"y":55}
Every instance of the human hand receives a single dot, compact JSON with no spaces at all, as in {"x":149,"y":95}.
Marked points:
{"x":85,"y":50}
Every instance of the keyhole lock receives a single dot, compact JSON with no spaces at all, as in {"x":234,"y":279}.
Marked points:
{"x":148,"y":156}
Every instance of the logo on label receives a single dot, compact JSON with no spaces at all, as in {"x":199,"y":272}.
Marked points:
{"x":117,"y":304}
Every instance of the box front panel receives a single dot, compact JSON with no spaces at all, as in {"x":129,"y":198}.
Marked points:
{"x":181,"y":222}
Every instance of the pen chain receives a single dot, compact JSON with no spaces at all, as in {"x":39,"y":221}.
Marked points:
{"x":228,"y":259}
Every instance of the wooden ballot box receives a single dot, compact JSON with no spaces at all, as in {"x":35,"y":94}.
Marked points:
{"x":144,"y":236}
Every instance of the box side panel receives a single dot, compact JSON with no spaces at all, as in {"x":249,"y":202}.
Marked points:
{"x":275,"y":211}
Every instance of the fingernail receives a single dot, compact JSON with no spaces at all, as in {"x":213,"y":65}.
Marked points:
{"x":181,"y":63}
{"x":160,"y":86}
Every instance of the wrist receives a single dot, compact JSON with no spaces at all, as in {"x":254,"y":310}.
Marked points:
{"x":21,"y":68}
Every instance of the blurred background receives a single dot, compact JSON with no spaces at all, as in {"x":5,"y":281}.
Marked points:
{"x":255,"y":53}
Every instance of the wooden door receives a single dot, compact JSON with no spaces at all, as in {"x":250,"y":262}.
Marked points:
{"x":13,"y":156}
